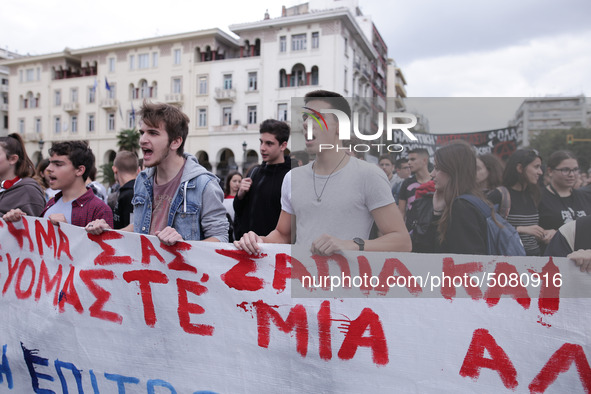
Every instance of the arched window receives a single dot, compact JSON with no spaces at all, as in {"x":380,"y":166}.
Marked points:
{"x":246,"y":49}
{"x":133,"y":92}
{"x":154,"y":89}
{"x":298,"y":75}
{"x":314,"y":76}
{"x":144,"y":89}
{"x":257,"y":47}
{"x":282,"y":78}
{"x":226,"y":163}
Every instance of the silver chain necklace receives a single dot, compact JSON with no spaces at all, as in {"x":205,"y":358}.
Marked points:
{"x":319,"y":197}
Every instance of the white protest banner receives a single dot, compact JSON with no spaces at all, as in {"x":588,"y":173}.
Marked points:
{"x":121,"y":313}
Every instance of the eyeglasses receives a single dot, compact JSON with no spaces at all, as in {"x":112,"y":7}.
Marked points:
{"x":567,"y":171}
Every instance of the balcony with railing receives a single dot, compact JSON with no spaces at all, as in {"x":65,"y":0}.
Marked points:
{"x":109,"y":104}
{"x":174,"y":98}
{"x":72,"y":108}
{"x":225,"y":94}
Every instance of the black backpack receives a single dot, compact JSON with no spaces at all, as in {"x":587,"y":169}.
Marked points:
{"x":418,"y":220}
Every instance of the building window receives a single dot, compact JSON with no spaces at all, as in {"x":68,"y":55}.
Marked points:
{"x":143,"y":61}
{"x":135,"y":92}
{"x":91,"y":94}
{"x":21,"y":126}
{"x":57,"y":98}
{"x":30,"y":101}
{"x":202,"y":89}
{"x":298,"y":76}
{"x":176,"y":86}
{"x":131,"y":62}
{"x":282,"y":78}
{"x":57,"y":124}
{"x":227,"y":111}
{"x":38,"y":125}
{"x":177,"y":57}
{"x":315,"y":40}
{"x":314,"y":76}
{"x":252,"y":81}
{"x":131,"y":119}
{"x":252,"y":114}
{"x":144,"y":89}
{"x":91,"y":122}
{"x":111,"y":121}
{"x":74,"y":124}
{"x":346,"y":85}
{"x":227,"y":81}
{"x":111,"y":64}
{"x":282,"y":112}
{"x":30,"y":74}
{"x":298,"y":42}
{"x":154,"y":59}
{"x":282,"y":44}
{"x":74,"y":95}
{"x":346,"y":46}
{"x":111,"y":91}
{"x":202,"y":117}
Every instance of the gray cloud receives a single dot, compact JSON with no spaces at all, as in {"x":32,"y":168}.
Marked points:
{"x":425,"y":28}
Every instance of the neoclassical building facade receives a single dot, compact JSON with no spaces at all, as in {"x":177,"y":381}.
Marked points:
{"x":226,"y":85}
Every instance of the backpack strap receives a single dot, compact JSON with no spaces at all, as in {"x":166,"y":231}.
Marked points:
{"x":505,"y":206}
{"x":478,"y":203}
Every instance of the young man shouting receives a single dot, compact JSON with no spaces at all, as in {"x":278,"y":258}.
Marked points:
{"x":175,"y":198}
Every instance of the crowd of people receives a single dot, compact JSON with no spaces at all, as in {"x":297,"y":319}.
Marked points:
{"x":453,"y":202}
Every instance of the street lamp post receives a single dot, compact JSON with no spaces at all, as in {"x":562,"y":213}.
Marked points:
{"x":41,"y":143}
{"x":244,"y":145}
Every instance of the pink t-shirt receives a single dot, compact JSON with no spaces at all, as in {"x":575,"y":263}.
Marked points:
{"x":163,"y":196}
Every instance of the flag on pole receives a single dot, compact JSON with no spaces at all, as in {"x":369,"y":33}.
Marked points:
{"x":132,"y":115}
{"x":120,"y":112}
{"x":107,"y":86}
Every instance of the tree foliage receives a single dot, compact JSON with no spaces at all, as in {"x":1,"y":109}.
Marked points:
{"x":107,"y":172}
{"x":129,"y":139}
{"x":550,"y":141}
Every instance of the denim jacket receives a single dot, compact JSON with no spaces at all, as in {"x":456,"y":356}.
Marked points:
{"x":195,"y":213}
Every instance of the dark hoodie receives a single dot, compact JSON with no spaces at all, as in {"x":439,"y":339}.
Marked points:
{"x":260,"y":208}
{"x":26,"y":195}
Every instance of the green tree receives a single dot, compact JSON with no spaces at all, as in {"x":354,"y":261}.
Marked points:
{"x":129,"y":139}
{"x":547,"y":142}
{"x":107,"y":172}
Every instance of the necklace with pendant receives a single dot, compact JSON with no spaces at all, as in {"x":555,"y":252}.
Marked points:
{"x":319,"y":197}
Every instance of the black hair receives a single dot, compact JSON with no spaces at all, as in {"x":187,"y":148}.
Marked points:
{"x":78,"y":152}
{"x":276,"y":127}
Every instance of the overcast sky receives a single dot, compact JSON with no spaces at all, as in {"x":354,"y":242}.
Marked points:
{"x":448,"y":48}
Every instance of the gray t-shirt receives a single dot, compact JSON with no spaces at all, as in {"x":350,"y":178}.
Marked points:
{"x":346,"y":201}
{"x":61,"y":207}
